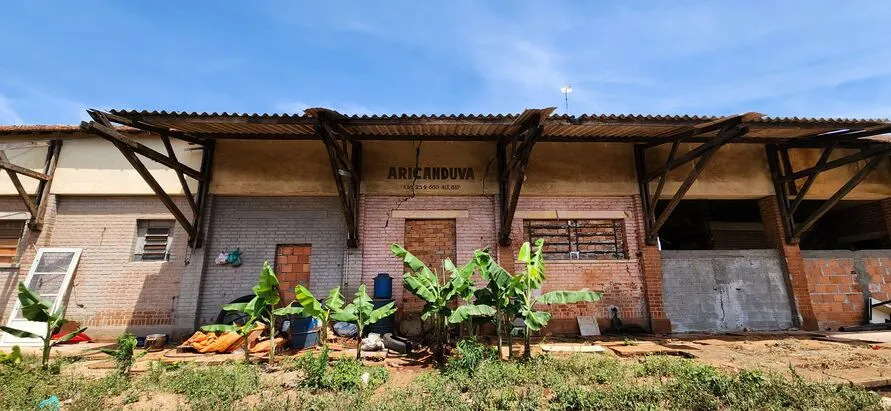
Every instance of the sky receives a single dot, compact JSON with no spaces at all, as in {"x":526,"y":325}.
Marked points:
{"x":805,"y":58}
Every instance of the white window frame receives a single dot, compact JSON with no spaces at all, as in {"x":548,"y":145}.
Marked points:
{"x":60,"y":298}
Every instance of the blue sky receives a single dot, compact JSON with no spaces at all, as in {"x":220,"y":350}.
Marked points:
{"x":782,"y":58}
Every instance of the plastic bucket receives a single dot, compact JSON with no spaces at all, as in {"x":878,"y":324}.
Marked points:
{"x":384,"y":325}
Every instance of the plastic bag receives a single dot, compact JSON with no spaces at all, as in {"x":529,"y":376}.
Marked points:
{"x":222,"y":258}
{"x":343,"y":329}
{"x":372,"y":343}
{"x":234,"y":258}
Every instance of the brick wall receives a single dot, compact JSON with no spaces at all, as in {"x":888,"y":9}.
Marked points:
{"x":379,"y":229}
{"x":257,"y":225}
{"x":793,"y":264}
{"x":841,"y":281}
{"x":621,"y":281}
{"x":432,"y":241}
{"x":10,"y":275}
{"x":110,"y":292}
{"x":292,"y":265}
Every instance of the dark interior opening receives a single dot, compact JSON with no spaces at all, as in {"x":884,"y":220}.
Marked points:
{"x":850,"y":225}
{"x":713,"y":225}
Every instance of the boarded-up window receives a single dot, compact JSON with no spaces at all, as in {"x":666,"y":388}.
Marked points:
{"x":153,"y":240}
{"x":579,"y":239}
{"x":10,"y":236}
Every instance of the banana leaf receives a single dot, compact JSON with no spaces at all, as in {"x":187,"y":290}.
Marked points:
{"x":536,"y":320}
{"x":69,"y":336}
{"x":220,"y":328}
{"x":311,"y":306}
{"x":335,"y":300}
{"x":19,"y":333}
{"x":267,"y":286}
{"x":290,"y":310}
{"x":462,"y":313}
{"x":381,"y":312}
{"x":568,"y":297}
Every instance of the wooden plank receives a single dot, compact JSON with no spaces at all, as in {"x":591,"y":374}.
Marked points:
{"x":835,"y":138}
{"x":659,"y":186}
{"x":6,"y":165}
{"x":26,"y":198}
{"x":853,"y":158}
{"x":832,"y":201}
{"x":179,"y":174}
{"x":719,"y":140}
{"x":45,"y":186}
{"x":207,"y":157}
{"x":159,"y":191}
{"x":644,"y":189}
{"x":150,"y":127}
{"x":799,"y":197}
{"x":513,"y":181}
{"x":773,"y":163}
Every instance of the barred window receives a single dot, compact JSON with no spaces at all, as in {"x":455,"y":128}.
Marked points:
{"x":153,"y":240}
{"x":579,"y":239}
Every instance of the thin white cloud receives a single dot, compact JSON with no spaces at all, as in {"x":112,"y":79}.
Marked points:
{"x":8,"y":115}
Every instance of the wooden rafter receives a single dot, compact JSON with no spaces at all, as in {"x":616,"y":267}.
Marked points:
{"x":513,"y":158}
{"x":729,"y":129}
{"x":131,"y":150}
{"x":35,"y":204}
{"x":790,"y":195}
{"x":345,"y":156}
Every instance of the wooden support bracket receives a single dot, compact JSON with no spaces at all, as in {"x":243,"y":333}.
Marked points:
{"x":790,"y":195}
{"x":346,"y":166}
{"x":35,"y":204}
{"x":131,"y":150}
{"x":513,"y":158}
{"x":730,"y":128}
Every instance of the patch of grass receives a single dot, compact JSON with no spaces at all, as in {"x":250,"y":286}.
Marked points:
{"x":346,"y":374}
{"x":579,"y":382}
{"x":25,"y":385}
{"x":203,"y":386}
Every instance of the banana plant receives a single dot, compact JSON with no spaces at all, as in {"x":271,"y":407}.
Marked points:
{"x":438,"y":295}
{"x":41,"y":311}
{"x":499,"y":293}
{"x":362,"y":312}
{"x":531,"y":279}
{"x":260,"y":309}
{"x":311,"y":307}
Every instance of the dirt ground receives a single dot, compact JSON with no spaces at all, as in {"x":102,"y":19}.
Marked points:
{"x":838,"y":358}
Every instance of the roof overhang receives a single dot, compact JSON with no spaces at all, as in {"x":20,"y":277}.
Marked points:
{"x":556,"y":128}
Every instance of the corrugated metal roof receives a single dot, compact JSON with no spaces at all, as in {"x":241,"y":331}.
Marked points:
{"x":50,"y":129}
{"x":562,"y":127}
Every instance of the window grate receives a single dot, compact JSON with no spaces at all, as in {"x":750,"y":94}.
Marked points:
{"x":153,"y":240}
{"x":579,"y":239}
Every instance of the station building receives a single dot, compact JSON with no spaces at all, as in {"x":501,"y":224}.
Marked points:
{"x":685,"y":223}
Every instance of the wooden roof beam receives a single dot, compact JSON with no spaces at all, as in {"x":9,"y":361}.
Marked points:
{"x":345,"y":157}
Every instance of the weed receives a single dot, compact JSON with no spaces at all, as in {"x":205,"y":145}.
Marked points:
{"x":470,"y":354}
{"x":344,"y":375}
{"x":212,"y":386}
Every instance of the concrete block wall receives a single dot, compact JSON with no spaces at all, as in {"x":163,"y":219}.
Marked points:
{"x":621,"y":280}
{"x":725,"y":290}
{"x":842,"y":281}
{"x":256,"y":225}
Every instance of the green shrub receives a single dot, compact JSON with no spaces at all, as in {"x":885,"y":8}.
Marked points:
{"x":470,"y":354}
{"x":344,"y":375}
{"x":211,"y":385}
